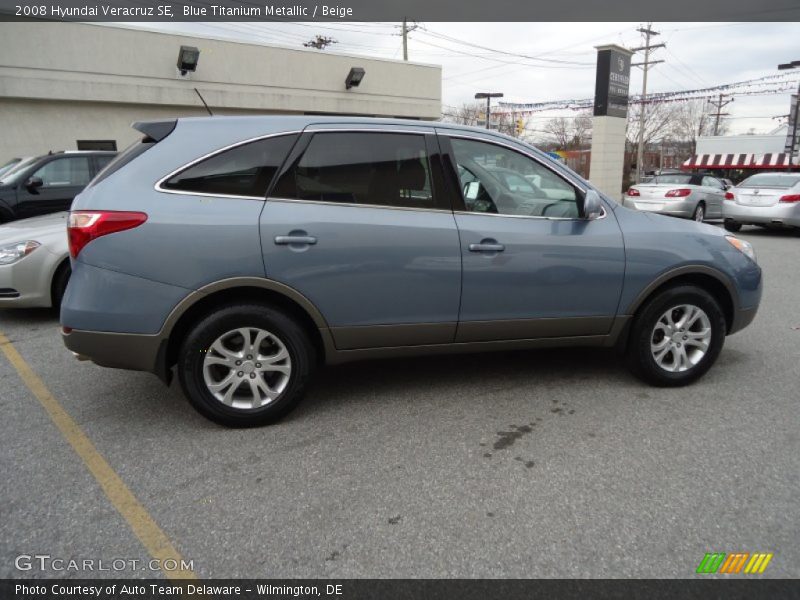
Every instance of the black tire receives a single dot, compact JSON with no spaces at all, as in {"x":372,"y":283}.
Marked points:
{"x":640,"y":357}
{"x":732,"y":226}
{"x":197,"y":343}
{"x":60,"y":281}
{"x":699,"y":211}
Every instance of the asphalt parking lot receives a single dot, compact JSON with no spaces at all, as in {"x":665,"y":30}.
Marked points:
{"x":526,"y":464}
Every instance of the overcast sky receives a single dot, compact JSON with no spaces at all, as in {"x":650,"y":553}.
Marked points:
{"x":697,"y":55}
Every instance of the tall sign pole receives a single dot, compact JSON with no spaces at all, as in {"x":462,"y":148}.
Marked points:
{"x":610,"y":118}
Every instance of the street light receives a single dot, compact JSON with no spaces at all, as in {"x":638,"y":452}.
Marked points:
{"x":795,"y":64}
{"x":488,"y":96}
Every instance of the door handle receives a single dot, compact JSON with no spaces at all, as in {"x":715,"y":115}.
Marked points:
{"x":285,"y":240}
{"x":486,"y":247}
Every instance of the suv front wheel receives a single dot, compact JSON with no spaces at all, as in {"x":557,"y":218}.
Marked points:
{"x":676,"y":336}
{"x":245,"y":365}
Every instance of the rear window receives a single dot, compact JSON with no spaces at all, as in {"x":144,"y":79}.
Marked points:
{"x":122,"y":159}
{"x":676,"y":178}
{"x":244,"y":170}
{"x":771,"y":180}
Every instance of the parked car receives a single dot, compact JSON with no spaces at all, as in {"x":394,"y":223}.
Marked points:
{"x":687,"y":195}
{"x":765,"y":199}
{"x":47,"y":184}
{"x":243,"y":251}
{"x":34,"y":261}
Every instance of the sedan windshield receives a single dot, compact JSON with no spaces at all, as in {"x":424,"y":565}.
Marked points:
{"x":11,"y":174}
{"x":771,"y":180}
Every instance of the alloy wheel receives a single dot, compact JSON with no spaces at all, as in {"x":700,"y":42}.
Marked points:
{"x":681,"y":337}
{"x":247,"y":368}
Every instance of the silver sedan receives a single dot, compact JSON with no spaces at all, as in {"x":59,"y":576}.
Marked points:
{"x":34,"y":261}
{"x":766,"y":199}
{"x":687,"y":195}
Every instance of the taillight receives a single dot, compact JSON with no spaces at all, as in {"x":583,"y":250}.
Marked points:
{"x":790,"y":198}
{"x":729,"y":196}
{"x":87,"y":225}
{"x":679,"y":193}
{"x":633,"y":192}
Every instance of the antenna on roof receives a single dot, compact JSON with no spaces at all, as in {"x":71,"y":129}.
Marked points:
{"x":204,"y":102}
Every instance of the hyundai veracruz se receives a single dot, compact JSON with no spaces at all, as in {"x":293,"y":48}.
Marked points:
{"x":242,"y":252}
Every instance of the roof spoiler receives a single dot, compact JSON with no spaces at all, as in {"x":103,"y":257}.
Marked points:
{"x":156,"y":130}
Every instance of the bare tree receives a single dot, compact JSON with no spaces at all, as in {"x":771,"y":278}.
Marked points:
{"x":320,"y":42}
{"x":569,"y":133}
{"x":691,"y":120}
{"x":659,"y":120}
{"x":467,"y":114}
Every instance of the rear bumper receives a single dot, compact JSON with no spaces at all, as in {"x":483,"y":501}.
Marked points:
{"x":786,"y":214}
{"x":680,"y":208}
{"x":134,"y":351}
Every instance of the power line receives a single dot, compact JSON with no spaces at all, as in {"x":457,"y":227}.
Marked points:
{"x":719,"y":105}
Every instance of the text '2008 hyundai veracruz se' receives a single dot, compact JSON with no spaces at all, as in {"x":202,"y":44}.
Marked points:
{"x":243,"y":252}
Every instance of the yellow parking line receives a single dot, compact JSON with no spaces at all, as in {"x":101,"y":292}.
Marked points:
{"x":144,"y":527}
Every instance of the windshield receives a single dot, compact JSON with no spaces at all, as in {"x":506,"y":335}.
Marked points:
{"x":676,"y":178}
{"x":15,"y":170}
{"x":771,"y":180}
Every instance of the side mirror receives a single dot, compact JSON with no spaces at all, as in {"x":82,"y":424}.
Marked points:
{"x":592,"y":206}
{"x":34,"y":183}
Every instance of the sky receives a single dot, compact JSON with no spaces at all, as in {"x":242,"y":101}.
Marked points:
{"x":485,"y":57}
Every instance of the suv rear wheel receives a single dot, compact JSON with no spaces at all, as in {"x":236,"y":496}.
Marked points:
{"x":676,"y":336}
{"x":245,"y":365}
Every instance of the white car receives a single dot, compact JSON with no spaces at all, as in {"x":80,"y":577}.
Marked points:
{"x":34,"y":261}
{"x":687,"y":195}
{"x":765,"y":199}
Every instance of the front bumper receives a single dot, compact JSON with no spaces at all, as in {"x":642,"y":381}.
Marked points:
{"x":27,"y":282}
{"x":742,"y":318}
{"x":781,"y":214}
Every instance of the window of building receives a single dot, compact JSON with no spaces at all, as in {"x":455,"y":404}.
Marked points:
{"x":97,"y":145}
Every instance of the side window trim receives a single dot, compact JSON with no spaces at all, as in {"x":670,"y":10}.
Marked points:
{"x":159,"y":187}
{"x":313,"y":130}
{"x":445,"y":136}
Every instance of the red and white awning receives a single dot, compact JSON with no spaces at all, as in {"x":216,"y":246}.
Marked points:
{"x":774,"y":160}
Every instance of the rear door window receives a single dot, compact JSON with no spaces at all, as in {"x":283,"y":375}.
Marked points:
{"x":244,"y":170}
{"x":378,"y":169}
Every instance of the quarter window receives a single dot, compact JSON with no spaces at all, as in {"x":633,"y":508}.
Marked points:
{"x":498,"y":180}
{"x":383,"y":169}
{"x":245,"y":170}
{"x":63,"y":172}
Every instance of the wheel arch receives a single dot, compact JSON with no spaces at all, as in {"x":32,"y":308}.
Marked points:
{"x":711,"y":280}
{"x":60,"y":266}
{"x":211,"y":297}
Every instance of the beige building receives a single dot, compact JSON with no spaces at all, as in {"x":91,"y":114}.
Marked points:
{"x":65,"y":85}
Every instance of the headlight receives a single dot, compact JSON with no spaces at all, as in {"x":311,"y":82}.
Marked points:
{"x":745,"y":248}
{"x":12,"y":253}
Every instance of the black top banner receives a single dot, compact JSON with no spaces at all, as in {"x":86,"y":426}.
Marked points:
{"x":391,"y":10}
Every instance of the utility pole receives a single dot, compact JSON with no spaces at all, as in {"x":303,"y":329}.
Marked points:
{"x":794,"y":124}
{"x":488,"y":96}
{"x":719,"y":105}
{"x":406,"y":31}
{"x":647,"y":32}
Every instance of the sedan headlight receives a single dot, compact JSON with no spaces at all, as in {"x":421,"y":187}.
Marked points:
{"x":13,"y":252}
{"x":745,"y":248}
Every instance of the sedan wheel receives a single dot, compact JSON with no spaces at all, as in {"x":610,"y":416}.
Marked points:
{"x":699,"y":213}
